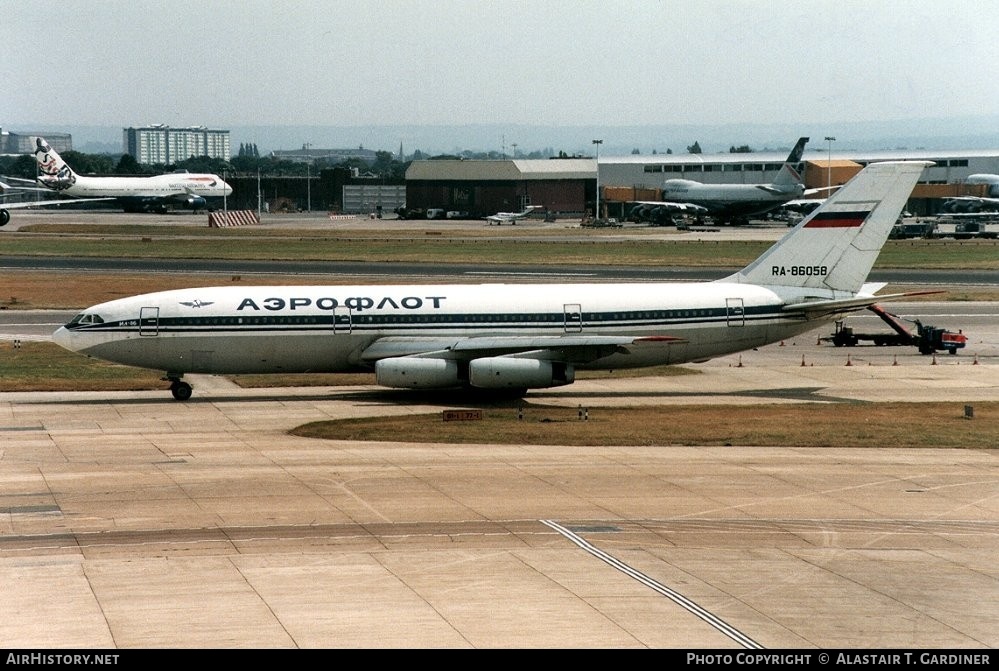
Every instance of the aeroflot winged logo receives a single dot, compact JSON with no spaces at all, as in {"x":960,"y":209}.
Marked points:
{"x":196,"y":303}
{"x":838,"y":219}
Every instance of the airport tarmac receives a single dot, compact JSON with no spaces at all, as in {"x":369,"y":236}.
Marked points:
{"x":129,"y":520}
{"x":345,"y":223}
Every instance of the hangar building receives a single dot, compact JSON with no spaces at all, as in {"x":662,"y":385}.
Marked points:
{"x":482,"y":188}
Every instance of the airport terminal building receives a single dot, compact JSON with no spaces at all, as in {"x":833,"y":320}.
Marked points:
{"x":568,"y":186}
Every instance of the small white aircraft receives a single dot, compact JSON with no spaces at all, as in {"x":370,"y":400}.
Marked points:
{"x":512,"y":217}
{"x":511,"y":337}
{"x":136,"y":194}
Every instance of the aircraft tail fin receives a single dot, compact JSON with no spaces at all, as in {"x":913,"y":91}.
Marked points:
{"x":789,"y":174}
{"x":834,"y":248}
{"x":53,"y":171}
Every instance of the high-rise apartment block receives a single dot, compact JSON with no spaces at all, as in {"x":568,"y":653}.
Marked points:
{"x":166,"y":145}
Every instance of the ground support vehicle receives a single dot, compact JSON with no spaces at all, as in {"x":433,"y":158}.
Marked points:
{"x":929,"y":339}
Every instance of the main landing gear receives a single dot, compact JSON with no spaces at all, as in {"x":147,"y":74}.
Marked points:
{"x":181,"y":390}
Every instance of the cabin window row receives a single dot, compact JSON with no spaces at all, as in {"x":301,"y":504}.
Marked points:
{"x":715,"y":167}
{"x":594,"y":317}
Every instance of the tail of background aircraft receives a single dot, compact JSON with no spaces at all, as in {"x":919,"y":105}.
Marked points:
{"x":789,"y":175}
{"x":53,"y":171}
{"x":835,"y":247}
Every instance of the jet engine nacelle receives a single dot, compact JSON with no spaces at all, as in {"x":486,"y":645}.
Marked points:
{"x":410,"y":372}
{"x":514,"y":373}
{"x":194,"y":202}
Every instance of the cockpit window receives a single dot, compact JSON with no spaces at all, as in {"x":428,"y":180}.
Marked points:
{"x":86,"y":318}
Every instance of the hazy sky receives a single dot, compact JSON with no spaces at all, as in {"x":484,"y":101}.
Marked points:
{"x":550,"y":62}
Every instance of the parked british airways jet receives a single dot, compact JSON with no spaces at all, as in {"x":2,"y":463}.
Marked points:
{"x":136,"y":194}
{"x":976,"y":204}
{"x":734,"y":203}
{"x":510,"y":337}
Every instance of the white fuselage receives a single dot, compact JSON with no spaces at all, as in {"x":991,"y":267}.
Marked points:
{"x":157,"y":186}
{"x":730,"y":198}
{"x":341,"y":328}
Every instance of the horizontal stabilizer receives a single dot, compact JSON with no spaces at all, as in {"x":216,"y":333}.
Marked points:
{"x":818,"y":309}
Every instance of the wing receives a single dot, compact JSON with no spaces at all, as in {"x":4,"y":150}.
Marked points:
{"x":38,"y":203}
{"x":574,"y":349}
{"x":974,"y":199}
{"x":672,"y":206}
{"x":15,"y":182}
{"x":5,"y":207}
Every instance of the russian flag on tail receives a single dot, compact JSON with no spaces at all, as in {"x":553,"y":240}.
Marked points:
{"x":838,"y":219}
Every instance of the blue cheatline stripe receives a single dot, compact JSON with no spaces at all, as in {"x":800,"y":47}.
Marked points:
{"x":664,"y":319}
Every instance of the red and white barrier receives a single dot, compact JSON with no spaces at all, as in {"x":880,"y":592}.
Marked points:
{"x":232,"y":218}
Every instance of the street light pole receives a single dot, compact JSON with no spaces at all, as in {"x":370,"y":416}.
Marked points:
{"x":225,"y":196}
{"x":598,"y":143}
{"x":308,"y":176}
{"x":830,"y":139}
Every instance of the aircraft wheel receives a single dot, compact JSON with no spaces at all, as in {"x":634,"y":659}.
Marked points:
{"x":4,"y":217}
{"x":181,"y":390}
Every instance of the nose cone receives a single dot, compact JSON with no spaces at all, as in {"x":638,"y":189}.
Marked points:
{"x":64,"y":338}
{"x":226,"y":188}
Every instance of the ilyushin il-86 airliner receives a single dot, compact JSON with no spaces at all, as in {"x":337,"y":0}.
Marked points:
{"x":510,"y":337}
